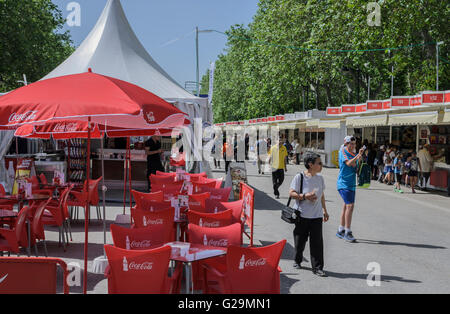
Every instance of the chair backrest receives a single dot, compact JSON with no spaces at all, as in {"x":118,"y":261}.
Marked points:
{"x":146,"y":218}
{"x":254,"y":270}
{"x":158,"y":180}
{"x":141,"y":272}
{"x":2,"y":190}
{"x":31,"y":275}
{"x":34,"y":183}
{"x":19,"y":227}
{"x":93,"y":191}
{"x":236,"y":207}
{"x":198,"y":201}
{"x":221,"y":237}
{"x":145,"y":200}
{"x":220,"y":195}
{"x":171,"y":193}
{"x":196,"y":177}
{"x":163,"y":186}
{"x":145,"y":238}
{"x":43,"y":178}
{"x":210,"y":220}
{"x":37,"y":227}
{"x":218,"y":182}
{"x":197,"y":186}
{"x":167,"y":174}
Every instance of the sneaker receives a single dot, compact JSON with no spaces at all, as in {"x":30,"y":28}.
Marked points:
{"x":400,"y":191}
{"x":341,"y":234}
{"x":297,"y":266}
{"x":349,"y":237}
{"x":319,"y":272}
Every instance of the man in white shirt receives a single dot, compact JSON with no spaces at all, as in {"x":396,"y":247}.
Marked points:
{"x":426,"y":161}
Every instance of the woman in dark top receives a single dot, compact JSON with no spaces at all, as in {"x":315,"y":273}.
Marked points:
{"x":153,"y":151}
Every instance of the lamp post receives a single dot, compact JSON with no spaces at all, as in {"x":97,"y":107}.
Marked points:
{"x":197,"y":31}
{"x":437,"y":64}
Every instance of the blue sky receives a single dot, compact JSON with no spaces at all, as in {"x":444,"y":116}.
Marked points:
{"x":157,"y":22}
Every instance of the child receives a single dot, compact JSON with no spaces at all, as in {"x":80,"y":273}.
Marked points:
{"x":398,"y":170}
{"x":413,"y":166}
{"x":388,"y":170}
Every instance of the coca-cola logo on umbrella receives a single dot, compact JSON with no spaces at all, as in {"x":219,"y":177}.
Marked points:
{"x":63,"y":127}
{"x":27,"y":116}
{"x":149,"y":117}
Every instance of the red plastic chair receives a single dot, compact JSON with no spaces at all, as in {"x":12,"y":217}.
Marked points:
{"x":236,"y":207}
{"x":57,"y":214}
{"x":163,"y":218}
{"x":163,"y":186}
{"x":197,"y":186}
{"x":140,"y":272}
{"x":171,"y":193}
{"x":12,"y":239}
{"x":197,"y":202}
{"x":5,"y":204}
{"x":209,"y":220}
{"x":195,"y":177}
{"x":37,"y":226}
{"x":247,"y":270}
{"x":146,"y":238}
{"x":145,"y":201}
{"x":78,"y":198}
{"x":31,"y":275}
{"x":220,"y":237}
{"x":167,"y":174}
{"x":36,"y":189}
{"x":156,"y":179}
{"x":218,"y":182}
{"x":220,"y":195}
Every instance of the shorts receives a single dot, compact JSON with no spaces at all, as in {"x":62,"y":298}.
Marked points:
{"x":388,"y":169}
{"x":399,"y":177}
{"x":412,"y":173}
{"x":348,"y":196}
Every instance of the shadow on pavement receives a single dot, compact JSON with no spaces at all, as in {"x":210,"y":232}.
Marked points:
{"x":384,"y":278}
{"x":422,"y":246}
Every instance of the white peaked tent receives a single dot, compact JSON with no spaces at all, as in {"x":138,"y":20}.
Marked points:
{"x":113,"y":49}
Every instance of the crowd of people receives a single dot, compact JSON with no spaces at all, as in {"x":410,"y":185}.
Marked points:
{"x":392,"y":166}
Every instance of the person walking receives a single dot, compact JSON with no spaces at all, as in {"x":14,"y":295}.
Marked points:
{"x":297,"y":151}
{"x":277,"y":157}
{"x":307,"y":188}
{"x":346,"y":185}
{"x":426,"y":163}
{"x":228,"y":153}
{"x":413,"y":167}
{"x":379,"y":161}
{"x":398,"y":171}
{"x":153,"y":151}
{"x":260,"y":157}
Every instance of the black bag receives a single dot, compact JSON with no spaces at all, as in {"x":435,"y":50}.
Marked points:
{"x":289,"y":214}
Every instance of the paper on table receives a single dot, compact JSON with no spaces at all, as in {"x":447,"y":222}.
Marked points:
{"x":207,"y":253}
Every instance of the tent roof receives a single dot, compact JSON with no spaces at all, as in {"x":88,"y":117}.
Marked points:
{"x":113,"y":49}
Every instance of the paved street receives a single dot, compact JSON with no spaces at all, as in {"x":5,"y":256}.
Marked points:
{"x":407,"y":235}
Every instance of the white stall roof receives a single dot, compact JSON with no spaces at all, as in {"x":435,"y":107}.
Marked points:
{"x":113,"y":49}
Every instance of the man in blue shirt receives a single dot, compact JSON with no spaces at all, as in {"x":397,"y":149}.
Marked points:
{"x":346,"y":185}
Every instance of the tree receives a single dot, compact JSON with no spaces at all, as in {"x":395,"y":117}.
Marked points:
{"x":30,"y":41}
{"x":328,"y":49}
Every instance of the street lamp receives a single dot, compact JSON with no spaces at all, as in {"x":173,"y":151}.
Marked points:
{"x":197,"y":31}
{"x":437,"y":64}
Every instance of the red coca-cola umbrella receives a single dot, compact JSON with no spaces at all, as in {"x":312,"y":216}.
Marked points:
{"x":89,"y":98}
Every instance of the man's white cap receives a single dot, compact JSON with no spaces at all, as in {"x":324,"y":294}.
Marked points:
{"x":348,"y":139}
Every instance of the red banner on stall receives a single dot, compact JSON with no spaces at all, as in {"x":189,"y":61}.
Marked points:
{"x":348,"y":108}
{"x":432,"y":98}
{"x":387,"y":104}
{"x":247,"y":194}
{"x":400,"y":101}
{"x":334,"y":110}
{"x":447,"y":98}
{"x":415,"y":101}
{"x":374,"y":105}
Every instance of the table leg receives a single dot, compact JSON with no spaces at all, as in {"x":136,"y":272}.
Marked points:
{"x":178,"y":232}
{"x":29,"y":237}
{"x":188,"y":274}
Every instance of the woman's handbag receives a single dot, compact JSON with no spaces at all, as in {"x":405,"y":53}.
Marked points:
{"x":288,"y":214}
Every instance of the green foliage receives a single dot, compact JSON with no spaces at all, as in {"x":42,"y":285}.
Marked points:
{"x":30,"y":40}
{"x":296,"y":45}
